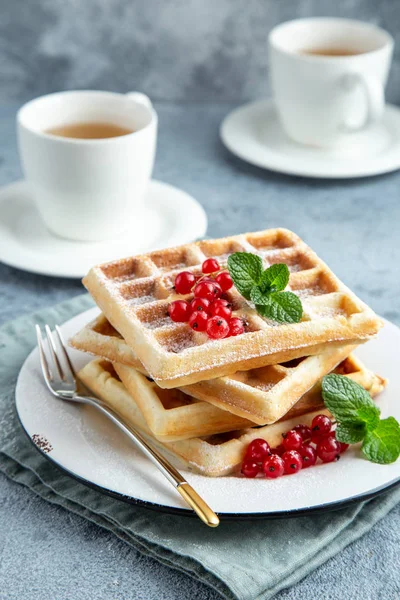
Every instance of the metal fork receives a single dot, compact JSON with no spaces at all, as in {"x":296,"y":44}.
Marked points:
{"x":61,"y":380}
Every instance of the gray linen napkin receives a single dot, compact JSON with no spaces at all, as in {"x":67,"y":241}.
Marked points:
{"x":242,"y":560}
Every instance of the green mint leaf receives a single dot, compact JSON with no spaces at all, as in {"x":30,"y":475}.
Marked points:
{"x":246,"y":270}
{"x":382,"y":445}
{"x":263,"y":288}
{"x":283,"y":307}
{"x":350,"y":433}
{"x":349,"y":402}
{"x":258,"y":296}
{"x":275,"y":278}
{"x":369,"y":417}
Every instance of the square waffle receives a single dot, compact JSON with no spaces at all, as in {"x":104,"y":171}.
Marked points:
{"x":100,"y":338}
{"x":134,"y":294}
{"x":220,"y":454}
{"x":173,"y":415}
{"x":260,"y":395}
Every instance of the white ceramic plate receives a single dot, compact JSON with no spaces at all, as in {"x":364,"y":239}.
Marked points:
{"x":172,"y":218}
{"x":85,"y":445}
{"x":254,"y":134}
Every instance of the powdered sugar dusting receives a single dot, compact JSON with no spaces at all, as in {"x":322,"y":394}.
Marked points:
{"x":158,"y":323}
{"x":177,"y":266}
{"x":180,"y":344}
{"x":264,"y":386}
{"x":305,"y":293}
{"x":141,"y":300}
{"x":296,"y":268}
{"x":271,"y":323}
{"x":270,"y":252}
{"x":323,"y":312}
{"x":262,"y":339}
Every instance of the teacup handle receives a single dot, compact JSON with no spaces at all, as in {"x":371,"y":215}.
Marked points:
{"x":140,"y":98}
{"x":374,"y":94}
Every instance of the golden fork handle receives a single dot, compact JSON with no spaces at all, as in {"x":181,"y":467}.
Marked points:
{"x":199,"y":506}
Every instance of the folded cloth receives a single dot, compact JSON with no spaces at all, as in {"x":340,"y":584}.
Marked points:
{"x":242,"y":560}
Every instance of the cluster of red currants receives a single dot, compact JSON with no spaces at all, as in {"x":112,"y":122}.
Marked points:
{"x":208,"y":311}
{"x":300,"y":448}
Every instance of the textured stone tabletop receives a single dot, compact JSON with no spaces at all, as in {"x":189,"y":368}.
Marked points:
{"x":354,"y":225}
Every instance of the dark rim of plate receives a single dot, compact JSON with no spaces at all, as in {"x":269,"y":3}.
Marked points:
{"x":327,"y":507}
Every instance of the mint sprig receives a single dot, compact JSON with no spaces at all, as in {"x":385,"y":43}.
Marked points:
{"x":348,"y":401}
{"x":275,"y":278}
{"x":283,"y":307}
{"x":382,"y":444}
{"x":265,"y":287}
{"x":246,"y":270}
{"x":359,"y":420}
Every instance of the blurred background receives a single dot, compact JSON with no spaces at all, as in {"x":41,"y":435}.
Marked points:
{"x":211,"y":56}
{"x":197,"y":60}
{"x":174,"y":50}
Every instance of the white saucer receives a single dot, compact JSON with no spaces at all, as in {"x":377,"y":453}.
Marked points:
{"x":172,"y":218}
{"x":86,"y":446}
{"x":253,"y":132}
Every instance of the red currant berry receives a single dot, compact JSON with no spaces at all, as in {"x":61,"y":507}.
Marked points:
{"x":321,"y":425}
{"x":208,"y":290}
{"x":293,"y":461}
{"x":217,"y":290}
{"x":316,"y":437}
{"x":217,"y":328}
{"x":328,"y":449}
{"x":292,"y":440}
{"x":218,"y":310}
{"x":343,"y":446}
{"x":304,"y":431}
{"x":279,"y":450}
{"x":308,"y":456}
{"x":221,"y":302}
{"x":204,"y":289}
{"x":184,"y":282}
{"x":257,"y":450}
{"x":224,"y":280}
{"x":200,"y":304}
{"x":198,"y":320}
{"x":179,"y":311}
{"x":273,"y":466}
{"x":210,"y":265}
{"x":250,"y":468}
{"x":236,"y":326}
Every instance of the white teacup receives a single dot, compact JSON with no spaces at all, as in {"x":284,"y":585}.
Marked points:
{"x":88,"y":189}
{"x":328,"y":77}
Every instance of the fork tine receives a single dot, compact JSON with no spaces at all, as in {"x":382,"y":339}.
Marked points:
{"x":65,"y":353}
{"x":53,"y":352}
{"x":43,"y":360}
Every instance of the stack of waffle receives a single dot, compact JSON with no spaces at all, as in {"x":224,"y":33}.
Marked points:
{"x":203,"y":399}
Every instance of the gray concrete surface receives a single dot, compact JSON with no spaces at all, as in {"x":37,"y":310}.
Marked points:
{"x":354,"y":225}
{"x":212,"y":50}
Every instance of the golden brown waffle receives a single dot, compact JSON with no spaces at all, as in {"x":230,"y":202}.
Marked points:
{"x":134,"y":294}
{"x":173,"y":415}
{"x":221,"y":454}
{"x":260,"y":395}
{"x":101,"y":339}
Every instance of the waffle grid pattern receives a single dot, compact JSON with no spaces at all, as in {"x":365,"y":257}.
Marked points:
{"x":173,"y":415}
{"x":260,"y":395}
{"x":134,"y":294}
{"x":220,"y":454}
